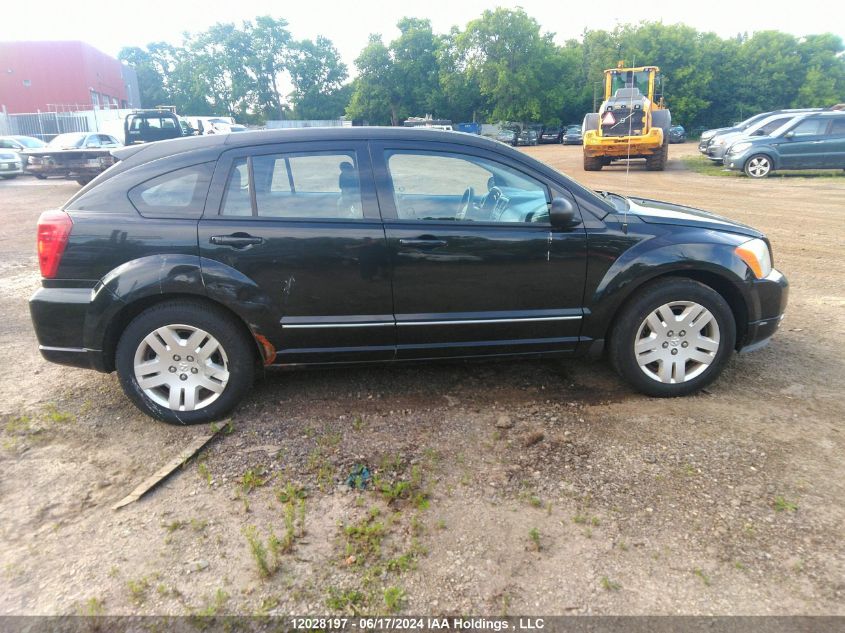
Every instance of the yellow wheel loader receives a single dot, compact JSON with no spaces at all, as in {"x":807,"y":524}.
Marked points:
{"x":630,"y":123}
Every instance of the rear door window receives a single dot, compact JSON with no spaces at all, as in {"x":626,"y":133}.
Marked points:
{"x":302,"y":185}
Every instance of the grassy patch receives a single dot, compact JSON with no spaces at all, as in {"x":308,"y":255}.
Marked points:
{"x":780,"y":504}
{"x":702,"y":165}
{"x":393,"y":598}
{"x":138,"y":590}
{"x":252,"y":479}
{"x":609,"y":585}
{"x":350,"y":600}
{"x":534,"y":537}
{"x":702,"y":576}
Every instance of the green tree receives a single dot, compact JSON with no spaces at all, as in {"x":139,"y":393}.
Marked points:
{"x":317,"y":74}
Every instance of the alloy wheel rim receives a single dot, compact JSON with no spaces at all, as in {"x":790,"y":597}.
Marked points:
{"x":181,"y":367}
{"x":677,"y":342}
{"x":758,"y":167}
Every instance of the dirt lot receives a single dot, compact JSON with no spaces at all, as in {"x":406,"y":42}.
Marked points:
{"x":507,"y":488}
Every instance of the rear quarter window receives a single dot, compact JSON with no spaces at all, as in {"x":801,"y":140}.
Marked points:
{"x":176,"y":194}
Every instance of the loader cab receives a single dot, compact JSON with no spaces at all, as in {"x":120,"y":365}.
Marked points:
{"x":645,"y":79}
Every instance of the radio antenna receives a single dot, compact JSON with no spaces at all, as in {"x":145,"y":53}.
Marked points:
{"x":630,"y":129}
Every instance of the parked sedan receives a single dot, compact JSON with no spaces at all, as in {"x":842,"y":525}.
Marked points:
{"x":551,"y":134}
{"x":811,"y":141}
{"x":710,"y":136}
{"x":20,"y":144}
{"x":194,"y":263}
{"x":573,"y":135}
{"x":11,"y":164}
{"x":527,"y":136}
{"x":77,"y":155}
{"x":507,"y":136}
{"x":677,"y":134}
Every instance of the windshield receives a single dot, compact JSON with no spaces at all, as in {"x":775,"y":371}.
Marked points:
{"x":573,"y":128}
{"x":629,"y":79}
{"x":28,"y":141}
{"x":67,"y":140}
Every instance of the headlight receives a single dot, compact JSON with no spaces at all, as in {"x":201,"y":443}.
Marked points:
{"x":755,"y":253}
{"x":736,"y":148}
{"x":708,"y":134}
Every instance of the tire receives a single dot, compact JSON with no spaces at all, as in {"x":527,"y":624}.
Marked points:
{"x":84,"y":181}
{"x":758,"y":166}
{"x":593,"y":163}
{"x":229,"y":368}
{"x":40,"y":176}
{"x":663,"y":120}
{"x":644,"y":330}
{"x":657,"y":161}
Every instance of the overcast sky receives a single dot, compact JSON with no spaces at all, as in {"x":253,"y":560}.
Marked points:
{"x":111,"y":25}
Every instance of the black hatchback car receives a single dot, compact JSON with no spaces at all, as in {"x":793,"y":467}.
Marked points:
{"x":193,"y":263}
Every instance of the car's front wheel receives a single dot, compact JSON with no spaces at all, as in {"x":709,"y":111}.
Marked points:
{"x":674,"y":338}
{"x":185,"y":362}
{"x":758,"y":166}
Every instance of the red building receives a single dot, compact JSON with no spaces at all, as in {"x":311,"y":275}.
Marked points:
{"x":59,"y":75}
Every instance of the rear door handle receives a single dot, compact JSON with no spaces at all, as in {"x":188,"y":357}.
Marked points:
{"x":236,"y":240}
{"x":422,"y":242}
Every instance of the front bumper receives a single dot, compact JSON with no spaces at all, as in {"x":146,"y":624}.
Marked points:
{"x":10,"y":168}
{"x":769,"y":297}
{"x":737,"y":161}
{"x":622,"y":146}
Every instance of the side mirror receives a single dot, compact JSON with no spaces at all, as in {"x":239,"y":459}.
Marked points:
{"x":562,"y":214}
{"x":789,"y":134}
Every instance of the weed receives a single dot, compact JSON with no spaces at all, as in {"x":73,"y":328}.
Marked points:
{"x":441,"y":524}
{"x":259,"y":551}
{"x":534,"y":535}
{"x":174,"y":525}
{"x":290,"y":492}
{"x":349,"y":600}
{"x":609,"y":585}
{"x":357,"y":423}
{"x":393,"y":598}
{"x":202,"y":469}
{"x":199,"y":525}
{"x":252,"y":479}
{"x":782,"y":505}
{"x":114,"y":571}
{"x":138,"y":590}
{"x":704,"y":577}
{"x":581,"y":519}
{"x":535,"y":502}
{"x":740,"y":566}
{"x":93,"y":607}
{"x":52,"y":414}
{"x":363,"y":539}
{"x":214,"y":606}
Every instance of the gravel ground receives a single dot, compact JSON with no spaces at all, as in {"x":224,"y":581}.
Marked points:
{"x":497,"y":488}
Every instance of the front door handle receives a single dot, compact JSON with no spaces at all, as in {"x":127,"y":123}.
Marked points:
{"x":422,"y":242}
{"x":236,"y":240}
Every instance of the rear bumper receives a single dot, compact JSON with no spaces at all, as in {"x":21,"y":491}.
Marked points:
{"x":769,"y":297}
{"x":59,"y":316}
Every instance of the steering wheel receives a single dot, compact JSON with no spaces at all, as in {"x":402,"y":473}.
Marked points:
{"x":466,"y":201}
{"x":491,"y":198}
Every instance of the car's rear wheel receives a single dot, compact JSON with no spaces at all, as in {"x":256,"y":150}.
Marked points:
{"x":185,"y":362}
{"x":674,"y":338}
{"x":758,"y":166}
{"x":40,"y":176}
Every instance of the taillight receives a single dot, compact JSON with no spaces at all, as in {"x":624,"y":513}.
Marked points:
{"x":53,"y":231}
